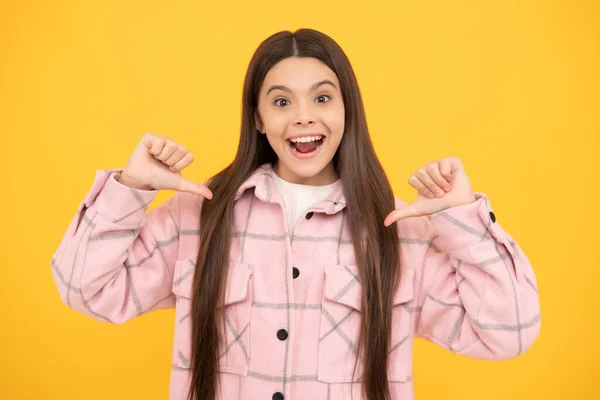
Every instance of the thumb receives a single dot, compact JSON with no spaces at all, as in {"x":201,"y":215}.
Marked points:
{"x":196,"y":188}
{"x":406,"y":211}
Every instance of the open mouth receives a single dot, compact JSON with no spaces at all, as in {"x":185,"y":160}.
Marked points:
{"x":306,"y":145}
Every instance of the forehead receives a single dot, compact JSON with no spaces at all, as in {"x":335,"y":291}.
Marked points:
{"x":299,"y":73}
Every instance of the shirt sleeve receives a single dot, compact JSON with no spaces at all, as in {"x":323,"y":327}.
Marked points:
{"x":115,"y":261}
{"x":477,"y":294}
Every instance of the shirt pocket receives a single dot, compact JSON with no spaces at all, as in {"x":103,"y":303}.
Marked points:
{"x":340,"y":327}
{"x":234,"y":343}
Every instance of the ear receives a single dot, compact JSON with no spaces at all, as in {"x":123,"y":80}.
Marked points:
{"x":258,"y":123}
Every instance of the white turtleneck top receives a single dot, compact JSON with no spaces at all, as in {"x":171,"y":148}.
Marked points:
{"x":298,"y":198}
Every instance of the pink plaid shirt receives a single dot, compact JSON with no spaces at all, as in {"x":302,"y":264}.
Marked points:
{"x":293,"y":300}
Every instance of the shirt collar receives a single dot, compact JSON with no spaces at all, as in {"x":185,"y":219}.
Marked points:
{"x":263,"y":182}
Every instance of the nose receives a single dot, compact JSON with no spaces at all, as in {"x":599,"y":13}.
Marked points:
{"x":301,"y":122}
{"x":304,"y":116}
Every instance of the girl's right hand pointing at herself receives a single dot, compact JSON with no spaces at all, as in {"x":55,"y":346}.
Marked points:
{"x":155,"y":164}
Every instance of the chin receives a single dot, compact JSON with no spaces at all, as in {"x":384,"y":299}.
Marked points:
{"x":305,"y":169}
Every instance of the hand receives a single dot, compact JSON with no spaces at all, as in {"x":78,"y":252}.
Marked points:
{"x":155,"y":164}
{"x":446,"y":178}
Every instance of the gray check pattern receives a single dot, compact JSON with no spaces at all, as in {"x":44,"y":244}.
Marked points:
{"x":274,"y":297}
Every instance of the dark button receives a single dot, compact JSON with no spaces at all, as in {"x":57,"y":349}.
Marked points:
{"x":309,"y":215}
{"x":492,"y":216}
{"x":295,"y":272}
{"x":282,"y":334}
{"x":277,"y":396}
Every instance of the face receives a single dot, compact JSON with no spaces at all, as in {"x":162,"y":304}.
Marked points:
{"x":301,"y":111}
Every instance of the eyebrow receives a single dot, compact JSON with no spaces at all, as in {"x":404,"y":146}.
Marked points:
{"x":313,"y":87}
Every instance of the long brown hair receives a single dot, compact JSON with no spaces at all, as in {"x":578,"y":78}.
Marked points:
{"x":376,"y":247}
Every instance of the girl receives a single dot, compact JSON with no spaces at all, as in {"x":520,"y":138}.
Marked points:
{"x":294,"y":272}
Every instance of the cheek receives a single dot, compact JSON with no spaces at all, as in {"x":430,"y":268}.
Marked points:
{"x":335,"y":121}
{"x":275,"y":124}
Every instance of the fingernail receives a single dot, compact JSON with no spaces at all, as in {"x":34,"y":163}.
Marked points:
{"x":439,"y":193}
{"x":447,"y":188}
{"x":430,"y":195}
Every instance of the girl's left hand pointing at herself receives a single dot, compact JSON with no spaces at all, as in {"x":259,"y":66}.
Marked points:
{"x":441,"y":184}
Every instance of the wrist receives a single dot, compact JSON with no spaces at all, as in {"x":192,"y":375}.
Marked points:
{"x":124,"y":179}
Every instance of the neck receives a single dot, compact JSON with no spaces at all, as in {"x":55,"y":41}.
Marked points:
{"x":326,"y":176}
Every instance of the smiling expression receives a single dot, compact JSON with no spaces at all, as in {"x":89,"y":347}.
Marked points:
{"x":300,"y":107}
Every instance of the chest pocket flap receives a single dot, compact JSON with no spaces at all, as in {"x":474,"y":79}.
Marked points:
{"x":342,"y":285}
{"x":236,"y":289}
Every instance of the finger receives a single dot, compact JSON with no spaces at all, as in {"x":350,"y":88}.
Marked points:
{"x":157,"y":146}
{"x":176,"y":156}
{"x":184,"y":162}
{"x":435,"y":173}
{"x":148,"y":139}
{"x":428,"y":181}
{"x":196,"y":188}
{"x":401,"y":213}
{"x":167,"y":151}
{"x":417,"y":184}
{"x":446,"y":168}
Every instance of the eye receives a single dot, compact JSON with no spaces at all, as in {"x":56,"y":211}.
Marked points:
{"x":324,"y":96}
{"x":277,"y":103}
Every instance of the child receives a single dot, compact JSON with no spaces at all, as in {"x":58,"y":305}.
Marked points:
{"x":294,"y":272}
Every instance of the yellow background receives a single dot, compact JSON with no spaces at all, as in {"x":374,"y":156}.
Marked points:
{"x":510,"y":87}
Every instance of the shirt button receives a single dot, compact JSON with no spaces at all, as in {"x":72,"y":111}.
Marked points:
{"x":309,"y":215}
{"x":277,"y":396}
{"x":295,"y":272}
{"x":492,"y":216}
{"x":282,"y":334}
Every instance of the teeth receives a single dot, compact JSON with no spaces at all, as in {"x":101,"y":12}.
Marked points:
{"x":306,"y":139}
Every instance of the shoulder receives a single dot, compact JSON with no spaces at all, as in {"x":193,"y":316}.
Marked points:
{"x":185,"y":208}
{"x":416,"y":228}
{"x":415,"y":235}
